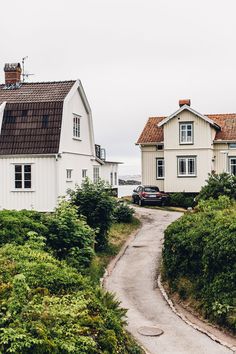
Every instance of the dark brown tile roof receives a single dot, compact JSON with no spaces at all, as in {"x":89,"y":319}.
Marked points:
{"x":32,"y":118}
{"x":154,"y":134}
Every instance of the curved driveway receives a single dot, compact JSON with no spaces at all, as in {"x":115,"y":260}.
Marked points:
{"x":133,"y":281}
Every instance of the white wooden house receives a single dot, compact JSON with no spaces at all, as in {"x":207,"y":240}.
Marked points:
{"x":180,"y":150}
{"x":46,"y":142}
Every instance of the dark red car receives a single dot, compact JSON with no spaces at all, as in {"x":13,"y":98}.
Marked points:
{"x":149,"y":195}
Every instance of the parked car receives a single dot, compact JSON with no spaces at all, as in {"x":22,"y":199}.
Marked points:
{"x":148,"y":195}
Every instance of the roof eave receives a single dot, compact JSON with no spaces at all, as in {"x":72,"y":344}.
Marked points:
{"x":186,"y":107}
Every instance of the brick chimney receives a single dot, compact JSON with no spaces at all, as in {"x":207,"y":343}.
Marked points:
{"x":183,"y":102}
{"x":12,"y":73}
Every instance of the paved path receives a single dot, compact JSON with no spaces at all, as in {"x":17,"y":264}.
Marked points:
{"x":133,"y":281}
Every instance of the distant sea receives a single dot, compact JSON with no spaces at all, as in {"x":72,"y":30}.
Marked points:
{"x":126,"y":190}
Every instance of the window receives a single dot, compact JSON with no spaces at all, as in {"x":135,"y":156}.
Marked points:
{"x":232,"y":146}
{"x":232,"y":165}
{"x":24,"y":113}
{"x":111,"y":178}
{"x":160,"y":168}
{"x":95,"y":174}
{"x":115,"y":177}
{"x":84,"y":173}
{"x":187,"y":166}
{"x":160,"y":147}
{"x":76,"y":126}
{"x":45,"y":121}
{"x":186,"y":133}
{"x":22,"y":176}
{"x":69,"y":174}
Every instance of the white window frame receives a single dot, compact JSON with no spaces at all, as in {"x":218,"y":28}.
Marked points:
{"x":84,"y":173}
{"x":23,"y":179}
{"x":76,"y":126}
{"x":96,"y":174}
{"x":162,"y":165}
{"x":69,"y":174}
{"x":184,"y":128}
{"x":230,"y":164}
{"x":186,"y":160}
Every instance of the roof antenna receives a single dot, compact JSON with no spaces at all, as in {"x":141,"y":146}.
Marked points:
{"x":24,"y":74}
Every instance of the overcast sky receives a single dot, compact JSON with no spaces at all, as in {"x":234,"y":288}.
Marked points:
{"x":135,"y":58}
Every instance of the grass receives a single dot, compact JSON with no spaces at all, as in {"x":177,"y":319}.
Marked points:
{"x":118,"y":235}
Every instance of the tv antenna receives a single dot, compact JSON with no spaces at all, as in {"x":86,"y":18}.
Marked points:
{"x":24,"y":74}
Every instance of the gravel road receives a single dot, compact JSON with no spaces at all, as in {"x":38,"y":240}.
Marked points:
{"x":133,"y":281}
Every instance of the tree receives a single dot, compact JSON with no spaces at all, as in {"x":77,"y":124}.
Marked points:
{"x":218,"y":184}
{"x":95,"y":203}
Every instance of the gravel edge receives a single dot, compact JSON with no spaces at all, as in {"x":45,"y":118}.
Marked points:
{"x":197,"y":328}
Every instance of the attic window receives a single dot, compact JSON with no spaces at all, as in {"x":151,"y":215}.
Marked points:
{"x":45,"y":121}
{"x":24,"y":113}
{"x":9,"y":117}
{"x":160,"y":147}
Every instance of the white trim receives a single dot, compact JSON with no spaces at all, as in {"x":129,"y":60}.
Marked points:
{"x":186,"y":107}
{"x":2,"y":108}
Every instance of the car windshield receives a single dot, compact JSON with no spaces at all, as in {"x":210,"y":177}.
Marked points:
{"x":151,"y":189}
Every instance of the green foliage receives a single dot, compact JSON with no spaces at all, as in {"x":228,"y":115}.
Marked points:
{"x":70,"y":236}
{"x":48,"y":307}
{"x":181,"y":199}
{"x":123,"y":213}
{"x":67,"y":235}
{"x":95,"y":203}
{"x":14,"y":225}
{"x":217,"y":185}
{"x":201,"y":248}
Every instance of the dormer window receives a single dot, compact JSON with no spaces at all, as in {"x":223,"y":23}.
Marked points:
{"x":76,"y":126}
{"x":186,"y":133}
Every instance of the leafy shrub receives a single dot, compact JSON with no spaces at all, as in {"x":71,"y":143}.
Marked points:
{"x":217,"y":185}
{"x":95,"y":203}
{"x":14,"y":225}
{"x":181,"y":199}
{"x":123,"y":213}
{"x":70,"y":237}
{"x":48,"y":307}
{"x":201,"y":248}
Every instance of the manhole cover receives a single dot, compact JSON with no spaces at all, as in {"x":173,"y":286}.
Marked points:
{"x":150,"y":331}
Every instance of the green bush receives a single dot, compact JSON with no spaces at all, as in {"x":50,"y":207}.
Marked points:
{"x":69,"y":236}
{"x":181,"y":199}
{"x":48,"y":307}
{"x":201,"y":248}
{"x":123,"y":213}
{"x":217,"y":185}
{"x":14,"y":225}
{"x":95,"y":203}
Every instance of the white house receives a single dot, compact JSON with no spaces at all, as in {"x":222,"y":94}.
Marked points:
{"x":180,"y":150}
{"x":46,"y":142}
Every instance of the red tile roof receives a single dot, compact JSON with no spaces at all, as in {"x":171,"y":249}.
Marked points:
{"x":32,"y":118}
{"x":154,"y":134}
{"x":151,"y":132}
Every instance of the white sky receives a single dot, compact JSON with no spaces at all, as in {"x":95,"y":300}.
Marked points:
{"x":135,"y":58}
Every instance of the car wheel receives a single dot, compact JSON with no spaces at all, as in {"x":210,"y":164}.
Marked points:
{"x":133,"y":200}
{"x":140,"y":202}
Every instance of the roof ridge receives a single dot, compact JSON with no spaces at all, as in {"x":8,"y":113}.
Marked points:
{"x":44,"y":82}
{"x":219,"y":114}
